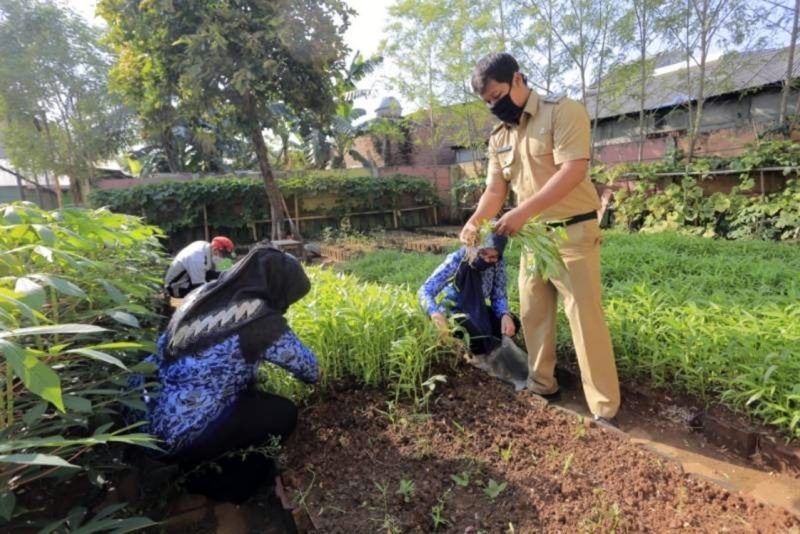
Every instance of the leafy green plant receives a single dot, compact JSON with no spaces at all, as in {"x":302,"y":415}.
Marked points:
{"x":493,"y":489}
{"x":461,"y":479}
{"x":67,"y":277}
{"x":370,"y":333}
{"x":391,"y":412}
{"x":233,"y":202}
{"x":406,"y":489}
{"x":580,"y":429}
{"x":657,"y":203}
{"x":428,"y":388}
{"x":539,"y":242}
{"x":76,"y":522}
{"x":604,"y":517}
{"x":437,"y":516}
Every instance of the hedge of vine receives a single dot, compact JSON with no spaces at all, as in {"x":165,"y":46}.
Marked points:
{"x":233,"y":202}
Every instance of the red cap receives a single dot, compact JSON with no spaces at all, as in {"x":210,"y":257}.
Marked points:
{"x":222,"y":244}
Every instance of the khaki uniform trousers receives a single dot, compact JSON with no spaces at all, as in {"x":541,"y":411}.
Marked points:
{"x":579,"y":286}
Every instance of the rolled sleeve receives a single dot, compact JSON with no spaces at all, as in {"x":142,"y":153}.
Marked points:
{"x":571,"y":132}
{"x":495,"y":169}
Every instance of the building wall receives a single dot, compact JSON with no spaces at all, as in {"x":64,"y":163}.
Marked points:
{"x":9,"y":194}
{"x":728,"y":124}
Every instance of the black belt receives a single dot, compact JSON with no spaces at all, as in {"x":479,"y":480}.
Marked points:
{"x":588,"y":216}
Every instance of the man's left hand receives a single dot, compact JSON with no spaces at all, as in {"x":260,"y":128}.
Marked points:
{"x":511,"y":223}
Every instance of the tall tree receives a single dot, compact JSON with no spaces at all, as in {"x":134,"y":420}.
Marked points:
{"x":697,"y":26}
{"x":538,"y":47}
{"x":345,"y":127}
{"x":642,"y":24}
{"x":448,"y":37}
{"x":781,"y":19}
{"x":582,"y":28}
{"x":787,"y":83}
{"x":609,"y":29}
{"x":412,"y":25}
{"x":59,"y":117}
{"x":243,"y":55}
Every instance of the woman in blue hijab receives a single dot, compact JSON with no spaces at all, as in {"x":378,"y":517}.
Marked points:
{"x":202,"y":403}
{"x":467,"y":286}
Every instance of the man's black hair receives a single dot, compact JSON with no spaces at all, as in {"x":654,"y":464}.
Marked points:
{"x":499,"y":66}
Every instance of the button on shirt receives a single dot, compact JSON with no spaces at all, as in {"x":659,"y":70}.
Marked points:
{"x":550,"y":132}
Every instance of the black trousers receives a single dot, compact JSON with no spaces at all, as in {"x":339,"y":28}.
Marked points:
{"x":482,"y":342}
{"x":212,"y":465}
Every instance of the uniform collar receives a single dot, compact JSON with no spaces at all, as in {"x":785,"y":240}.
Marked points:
{"x":532,"y":105}
{"x":530,"y":108}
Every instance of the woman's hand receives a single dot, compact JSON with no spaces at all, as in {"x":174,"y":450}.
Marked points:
{"x":441,"y":322}
{"x":507,"y":327}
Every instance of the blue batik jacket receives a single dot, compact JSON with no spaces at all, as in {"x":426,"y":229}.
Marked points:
{"x":194,"y":391}
{"x":494,"y":281}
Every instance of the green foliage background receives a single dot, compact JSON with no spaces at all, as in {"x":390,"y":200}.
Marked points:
{"x":234,"y":202}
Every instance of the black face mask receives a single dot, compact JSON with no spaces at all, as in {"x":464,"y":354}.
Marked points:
{"x":506,"y":110}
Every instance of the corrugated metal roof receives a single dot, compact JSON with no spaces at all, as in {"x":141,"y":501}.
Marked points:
{"x":732,"y":73}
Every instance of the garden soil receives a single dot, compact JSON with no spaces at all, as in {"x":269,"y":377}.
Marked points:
{"x":559,"y":474}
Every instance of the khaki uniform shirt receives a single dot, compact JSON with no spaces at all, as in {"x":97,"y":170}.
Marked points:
{"x":550,"y":132}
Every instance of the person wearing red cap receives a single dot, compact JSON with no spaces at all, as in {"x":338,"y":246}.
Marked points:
{"x":196,"y":264}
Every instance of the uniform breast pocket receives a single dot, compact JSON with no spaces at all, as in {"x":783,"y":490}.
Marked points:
{"x":509,"y":162}
{"x":540,"y":144}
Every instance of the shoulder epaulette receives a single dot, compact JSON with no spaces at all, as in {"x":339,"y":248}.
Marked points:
{"x":497,"y":127}
{"x":553,"y":98}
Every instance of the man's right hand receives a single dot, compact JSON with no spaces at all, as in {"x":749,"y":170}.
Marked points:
{"x":469,"y":234}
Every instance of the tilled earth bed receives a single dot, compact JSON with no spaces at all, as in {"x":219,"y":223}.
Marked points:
{"x":483,"y":459}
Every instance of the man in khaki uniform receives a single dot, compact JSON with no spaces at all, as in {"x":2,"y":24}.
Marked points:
{"x":541,"y":150}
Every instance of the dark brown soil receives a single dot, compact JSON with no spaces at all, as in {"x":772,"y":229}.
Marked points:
{"x":351,"y":451}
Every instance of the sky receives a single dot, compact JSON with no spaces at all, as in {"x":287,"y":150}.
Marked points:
{"x":364,"y":35}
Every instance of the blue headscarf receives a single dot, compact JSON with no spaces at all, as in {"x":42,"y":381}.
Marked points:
{"x":469,"y":285}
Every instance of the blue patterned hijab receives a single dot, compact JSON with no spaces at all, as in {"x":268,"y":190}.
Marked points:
{"x":468,"y":282}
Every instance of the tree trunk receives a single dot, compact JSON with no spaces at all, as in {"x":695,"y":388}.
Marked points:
{"x":787,"y":84}
{"x":51,"y":144}
{"x":642,"y":20}
{"x":170,"y":150}
{"x":689,"y":116}
{"x":599,"y":85}
{"x":270,"y":185}
{"x":285,"y":150}
{"x":698,"y":117}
